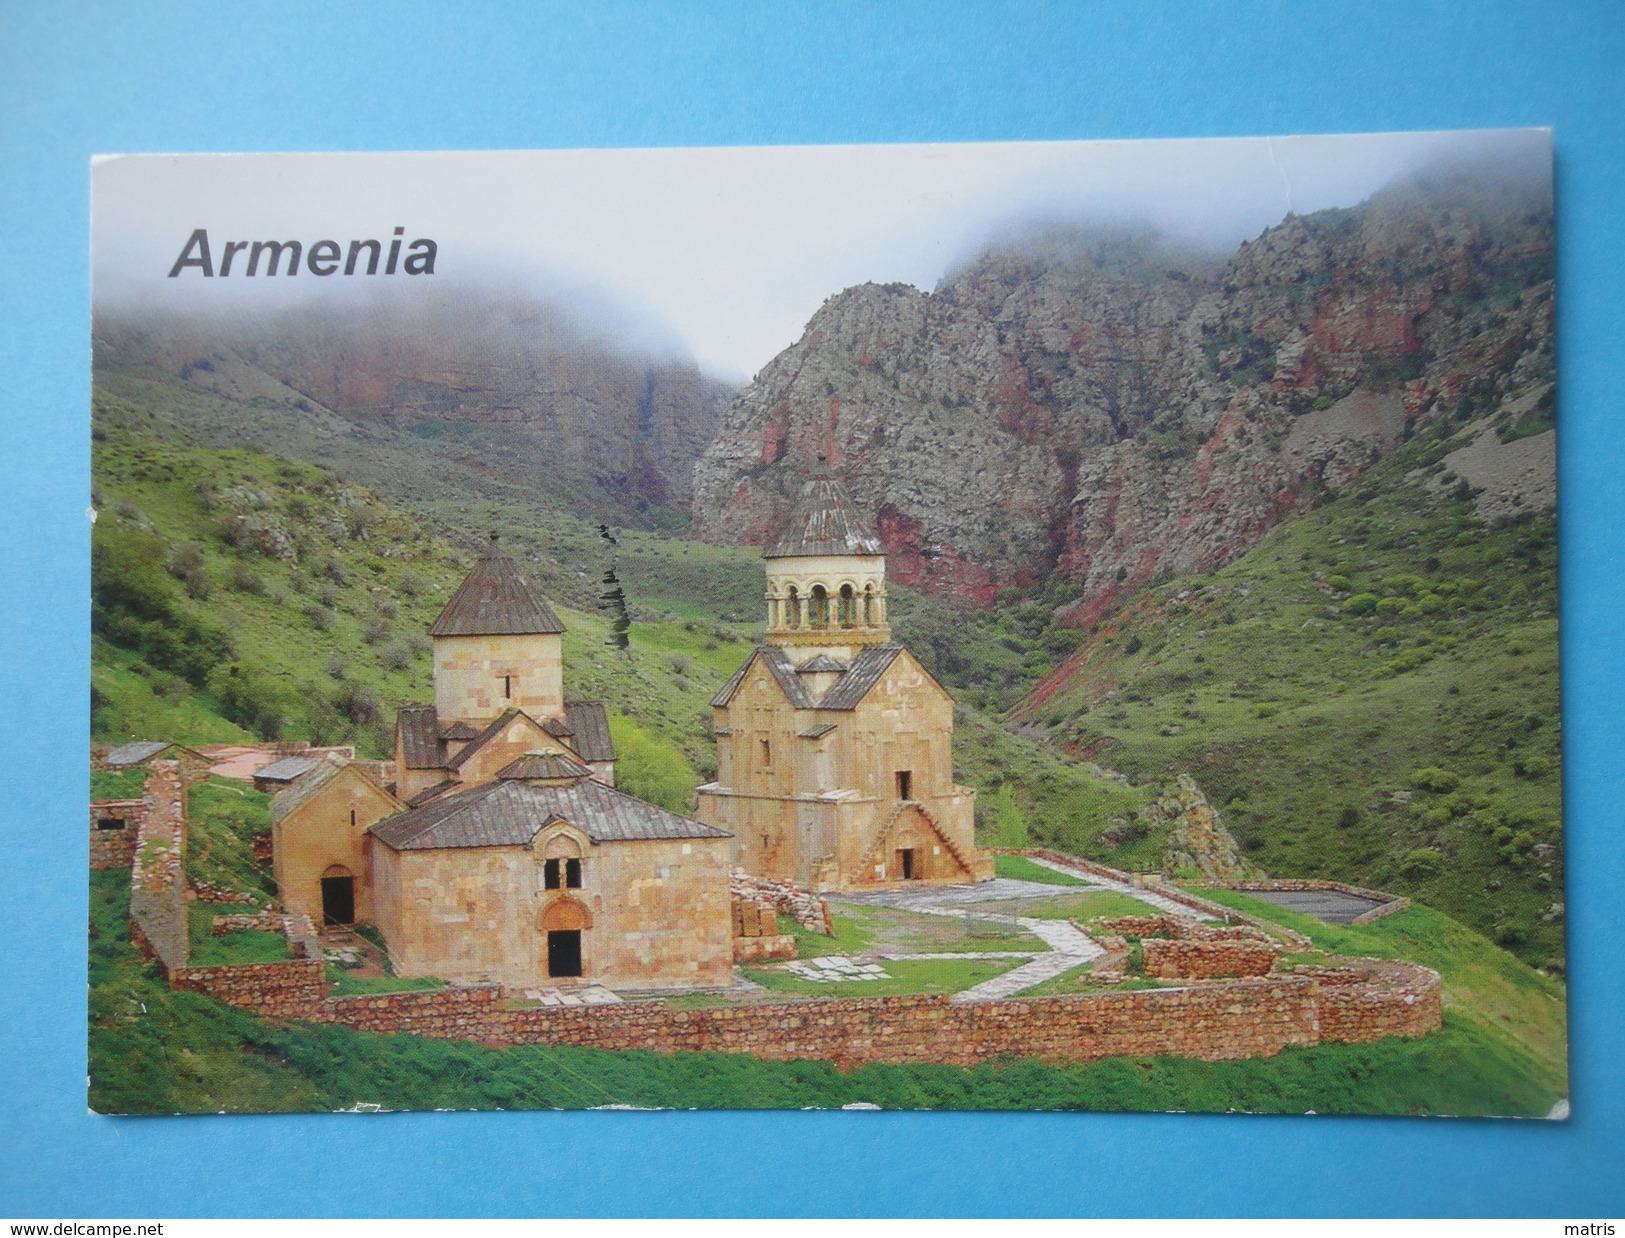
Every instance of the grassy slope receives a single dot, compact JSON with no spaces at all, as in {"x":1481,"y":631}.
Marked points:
{"x":1505,"y":1003}
{"x":1314,"y":727}
{"x":334,"y":635}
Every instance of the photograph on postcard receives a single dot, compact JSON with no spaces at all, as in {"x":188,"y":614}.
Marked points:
{"x":1062,"y":625}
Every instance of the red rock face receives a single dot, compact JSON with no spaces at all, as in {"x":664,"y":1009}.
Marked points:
{"x":1057,"y":414}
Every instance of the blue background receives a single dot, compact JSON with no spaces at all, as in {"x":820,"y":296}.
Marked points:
{"x":79,"y":78}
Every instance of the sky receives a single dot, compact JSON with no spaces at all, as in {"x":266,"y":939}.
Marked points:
{"x":719,"y":254}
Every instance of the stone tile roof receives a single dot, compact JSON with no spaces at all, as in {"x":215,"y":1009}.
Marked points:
{"x":492,"y":730}
{"x":434,"y":792}
{"x":589,"y":730}
{"x":824,"y":521}
{"x":496,"y":598}
{"x":820,"y":664}
{"x":816,"y":732}
{"x":864,"y":673}
{"x":544,"y":765}
{"x":459,"y":730}
{"x":845,"y":693}
{"x":287,"y":769}
{"x":508,"y":813}
{"x":137,"y":752}
{"x":419,"y":729}
{"x":305,"y":786}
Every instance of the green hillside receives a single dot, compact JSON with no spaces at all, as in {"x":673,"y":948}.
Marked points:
{"x":240,"y":595}
{"x":1371,"y":694}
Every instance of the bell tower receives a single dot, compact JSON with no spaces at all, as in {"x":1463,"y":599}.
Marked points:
{"x":826,"y":577}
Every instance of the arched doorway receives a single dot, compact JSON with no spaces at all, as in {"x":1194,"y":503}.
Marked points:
{"x":338,"y":895}
{"x":564,"y":924}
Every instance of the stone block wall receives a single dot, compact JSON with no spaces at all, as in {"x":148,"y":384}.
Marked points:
{"x":1213,"y":1022}
{"x":290,"y":990}
{"x":761,"y":949}
{"x":1196,"y":960}
{"x":1362,"y":1000}
{"x":242,"y":922}
{"x":115,"y":848}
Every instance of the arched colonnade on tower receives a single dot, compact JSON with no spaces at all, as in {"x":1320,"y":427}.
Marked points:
{"x":817,"y":605}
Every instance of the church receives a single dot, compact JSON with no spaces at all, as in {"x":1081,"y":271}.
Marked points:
{"x":834,"y":745}
{"x":495,"y":847}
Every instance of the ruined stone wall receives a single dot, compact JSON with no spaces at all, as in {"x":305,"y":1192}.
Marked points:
{"x":786,"y":898}
{"x":1363,"y":1000}
{"x":1386,"y":904}
{"x":115,"y":848}
{"x":1195,"y":960}
{"x":756,"y":933}
{"x":157,"y":882}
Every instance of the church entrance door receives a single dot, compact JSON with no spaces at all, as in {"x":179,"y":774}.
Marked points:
{"x":564,"y":952}
{"x":338,"y":900}
{"x":906,"y":864}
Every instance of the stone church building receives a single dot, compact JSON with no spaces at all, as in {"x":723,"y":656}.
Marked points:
{"x":495,"y":845}
{"x":834,"y":745}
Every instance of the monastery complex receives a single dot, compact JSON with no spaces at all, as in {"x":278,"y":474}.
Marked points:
{"x":495,"y":847}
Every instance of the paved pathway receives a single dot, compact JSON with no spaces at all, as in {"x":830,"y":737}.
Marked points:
{"x":1068,"y":947}
{"x":585,"y":995}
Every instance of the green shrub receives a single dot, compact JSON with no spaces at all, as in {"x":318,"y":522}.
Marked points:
{"x":1432,"y":778}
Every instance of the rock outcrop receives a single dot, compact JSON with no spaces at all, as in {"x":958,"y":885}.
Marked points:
{"x":1111,"y":409}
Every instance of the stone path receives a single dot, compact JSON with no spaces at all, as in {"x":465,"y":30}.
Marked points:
{"x":834,"y":968}
{"x":586,"y":995}
{"x":1069,"y":947}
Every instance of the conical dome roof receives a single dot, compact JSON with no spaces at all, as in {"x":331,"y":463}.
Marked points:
{"x":824,"y":521}
{"x":496,"y":598}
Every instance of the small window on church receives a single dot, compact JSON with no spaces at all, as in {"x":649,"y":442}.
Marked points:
{"x":767,"y":754}
{"x":352,"y":818}
{"x":110,"y":823}
{"x":572,"y":874}
{"x":507,"y":687}
{"x":550,"y":875}
{"x":905,"y":784}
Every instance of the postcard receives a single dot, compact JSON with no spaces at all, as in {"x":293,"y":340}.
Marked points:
{"x":1063,"y":625}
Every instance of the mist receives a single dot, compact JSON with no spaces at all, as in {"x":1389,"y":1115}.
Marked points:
{"x":723,"y":254}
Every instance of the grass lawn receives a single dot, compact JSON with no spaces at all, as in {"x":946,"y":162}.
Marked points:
{"x":860,"y":928}
{"x":347,"y":984}
{"x":1020,"y":868}
{"x":246,"y":946}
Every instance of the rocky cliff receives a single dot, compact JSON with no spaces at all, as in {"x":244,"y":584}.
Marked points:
{"x":1106,"y":407}
{"x":513,"y":388}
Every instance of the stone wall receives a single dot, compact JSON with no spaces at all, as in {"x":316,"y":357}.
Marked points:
{"x":290,"y":990}
{"x":1195,"y":960}
{"x":242,"y":922}
{"x":157,"y":882}
{"x":1386,"y":904}
{"x":1212,"y":1022}
{"x":756,"y":933}
{"x":115,"y":848}
{"x":1362,"y":1000}
{"x":1176,"y":949}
